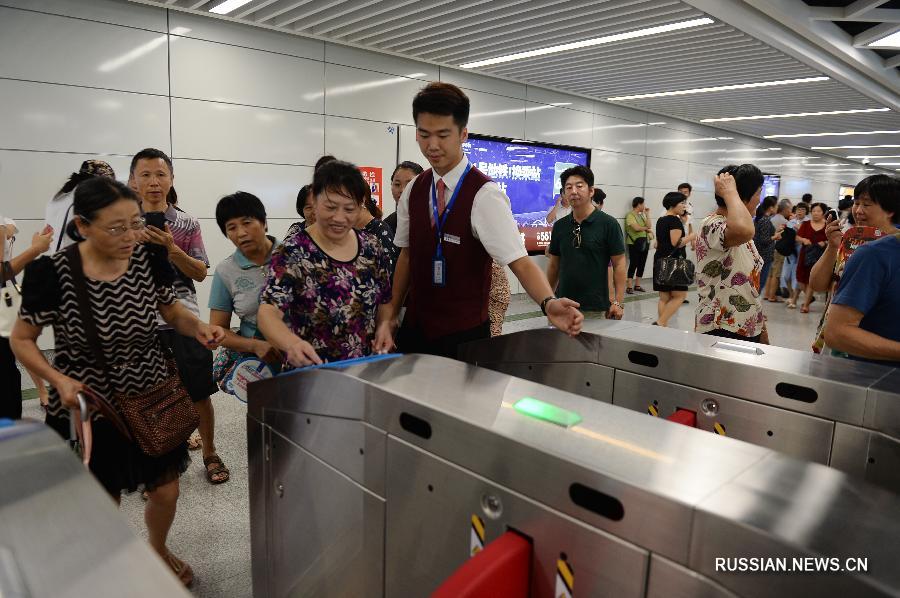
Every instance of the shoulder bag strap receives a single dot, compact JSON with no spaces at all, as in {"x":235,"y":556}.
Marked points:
{"x":62,"y":231}
{"x":84,"y":304}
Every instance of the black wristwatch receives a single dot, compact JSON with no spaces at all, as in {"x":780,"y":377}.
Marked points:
{"x":545,"y":302}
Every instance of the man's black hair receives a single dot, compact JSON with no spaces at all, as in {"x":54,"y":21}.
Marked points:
{"x":151,"y":153}
{"x":685,"y":186}
{"x":580,"y":171}
{"x":442,"y":99}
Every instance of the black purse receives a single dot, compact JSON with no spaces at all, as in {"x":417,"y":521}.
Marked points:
{"x":674,"y":272}
{"x":812,"y":255}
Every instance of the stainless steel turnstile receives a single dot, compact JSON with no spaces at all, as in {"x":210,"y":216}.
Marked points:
{"x":373,"y":480}
{"x":61,"y":535}
{"x":826,"y":410}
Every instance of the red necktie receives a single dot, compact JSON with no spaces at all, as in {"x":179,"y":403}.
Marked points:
{"x":441,"y":202}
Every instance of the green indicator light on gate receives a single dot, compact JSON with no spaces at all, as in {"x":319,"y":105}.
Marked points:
{"x":547,"y":412}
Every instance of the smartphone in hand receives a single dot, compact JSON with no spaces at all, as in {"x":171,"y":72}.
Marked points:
{"x":155,"y":219}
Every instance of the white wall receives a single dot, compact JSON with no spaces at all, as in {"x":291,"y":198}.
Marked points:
{"x":245,"y":108}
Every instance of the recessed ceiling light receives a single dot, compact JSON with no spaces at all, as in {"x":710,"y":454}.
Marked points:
{"x":597,"y":41}
{"x":889,"y":41}
{"x":844,"y":134}
{"x":793,"y":115}
{"x":228,"y":6}
{"x":829,"y":147}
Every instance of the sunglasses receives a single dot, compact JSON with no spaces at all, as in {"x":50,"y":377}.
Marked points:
{"x":576,"y":233}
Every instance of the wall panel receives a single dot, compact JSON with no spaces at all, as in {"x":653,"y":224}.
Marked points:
{"x":45,"y":117}
{"x":255,"y":78}
{"x":41,"y":47}
{"x":214,"y":131}
{"x":370,"y":95}
{"x":365,"y":144}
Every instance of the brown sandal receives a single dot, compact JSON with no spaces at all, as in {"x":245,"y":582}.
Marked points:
{"x":217,"y":471}
{"x":181,"y":569}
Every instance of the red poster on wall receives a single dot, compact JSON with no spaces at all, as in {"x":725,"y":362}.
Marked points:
{"x":372,"y":174}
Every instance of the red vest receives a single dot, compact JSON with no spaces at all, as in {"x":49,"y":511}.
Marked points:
{"x":462,"y":303}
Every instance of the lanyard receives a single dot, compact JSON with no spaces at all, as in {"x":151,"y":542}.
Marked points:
{"x":439,"y":221}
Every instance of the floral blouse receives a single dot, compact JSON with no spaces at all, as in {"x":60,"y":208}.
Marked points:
{"x":728,"y":282}
{"x":329,"y":303}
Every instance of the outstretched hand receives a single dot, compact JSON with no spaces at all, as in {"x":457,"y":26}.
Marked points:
{"x":563,"y":314}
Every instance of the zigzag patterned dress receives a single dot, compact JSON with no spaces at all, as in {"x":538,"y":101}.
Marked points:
{"x":125,"y":311}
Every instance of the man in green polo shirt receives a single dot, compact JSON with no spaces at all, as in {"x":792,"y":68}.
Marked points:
{"x":581,"y":246}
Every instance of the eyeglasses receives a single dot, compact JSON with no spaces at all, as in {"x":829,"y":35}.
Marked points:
{"x":118,"y":231}
{"x":576,"y":233}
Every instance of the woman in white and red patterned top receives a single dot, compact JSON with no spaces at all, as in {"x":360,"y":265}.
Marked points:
{"x":728,"y":263}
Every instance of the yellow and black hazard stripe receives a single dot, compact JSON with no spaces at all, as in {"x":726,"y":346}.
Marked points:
{"x":652,"y":410}
{"x":719,"y":429}
{"x":565,"y":579}
{"x":476,"y":543}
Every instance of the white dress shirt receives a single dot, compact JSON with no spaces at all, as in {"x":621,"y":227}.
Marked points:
{"x":492,"y":220}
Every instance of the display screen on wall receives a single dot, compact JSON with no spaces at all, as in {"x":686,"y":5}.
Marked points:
{"x":771,"y":185}
{"x":529,"y":174}
{"x":846,"y":190}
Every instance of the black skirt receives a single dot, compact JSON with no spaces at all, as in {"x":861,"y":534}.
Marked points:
{"x":120,"y":465}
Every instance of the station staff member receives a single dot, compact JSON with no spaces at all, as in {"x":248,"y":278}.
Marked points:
{"x":452,"y":221}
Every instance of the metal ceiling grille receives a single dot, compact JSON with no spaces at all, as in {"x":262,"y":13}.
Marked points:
{"x":454,"y":32}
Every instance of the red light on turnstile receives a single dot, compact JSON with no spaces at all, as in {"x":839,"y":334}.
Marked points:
{"x":684,"y":417}
{"x":501,"y":570}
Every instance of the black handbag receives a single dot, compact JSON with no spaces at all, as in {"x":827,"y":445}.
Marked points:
{"x":812,"y":255}
{"x":674,"y":272}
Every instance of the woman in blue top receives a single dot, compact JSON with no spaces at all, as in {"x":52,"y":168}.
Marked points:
{"x":238,"y":281}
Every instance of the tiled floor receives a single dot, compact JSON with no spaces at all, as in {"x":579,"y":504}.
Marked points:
{"x":212,"y":529}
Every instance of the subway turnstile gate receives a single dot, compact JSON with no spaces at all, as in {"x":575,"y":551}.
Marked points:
{"x":826,"y":410}
{"x":389,"y":478}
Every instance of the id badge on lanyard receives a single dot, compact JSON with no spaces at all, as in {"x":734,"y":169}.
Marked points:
{"x":438,"y":263}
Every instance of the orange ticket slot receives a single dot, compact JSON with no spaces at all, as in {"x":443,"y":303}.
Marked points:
{"x":501,"y":570}
{"x":684,"y":417}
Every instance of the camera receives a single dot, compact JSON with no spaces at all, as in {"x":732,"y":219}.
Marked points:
{"x":865,"y":160}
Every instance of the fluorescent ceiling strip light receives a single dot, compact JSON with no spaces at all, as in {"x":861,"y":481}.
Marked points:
{"x":685,"y":92}
{"x":845,"y":134}
{"x":597,"y":41}
{"x":831,"y":147}
{"x":890,"y":41}
{"x":875,"y":157}
{"x":228,"y":6}
{"x":887,"y":164}
{"x":793,"y":115}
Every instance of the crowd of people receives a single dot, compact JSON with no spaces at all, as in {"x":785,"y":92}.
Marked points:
{"x":118,"y":287}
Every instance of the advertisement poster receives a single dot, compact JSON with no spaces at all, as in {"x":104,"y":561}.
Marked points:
{"x":372,"y":174}
{"x":529,"y":175}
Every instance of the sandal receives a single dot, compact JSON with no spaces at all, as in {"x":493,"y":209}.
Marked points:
{"x":638,"y":288}
{"x":804,"y":310}
{"x":218,"y":474}
{"x":195,"y":442}
{"x":629,"y":290}
{"x":181,"y":569}
{"x":791,"y":305}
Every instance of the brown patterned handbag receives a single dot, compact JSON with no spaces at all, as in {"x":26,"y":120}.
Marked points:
{"x":160,"y":418}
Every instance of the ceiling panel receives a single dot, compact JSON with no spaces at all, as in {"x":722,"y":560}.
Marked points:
{"x":454,"y":32}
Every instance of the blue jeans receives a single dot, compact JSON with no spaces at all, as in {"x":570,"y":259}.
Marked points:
{"x":764,"y":275}
{"x":789,"y":272}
